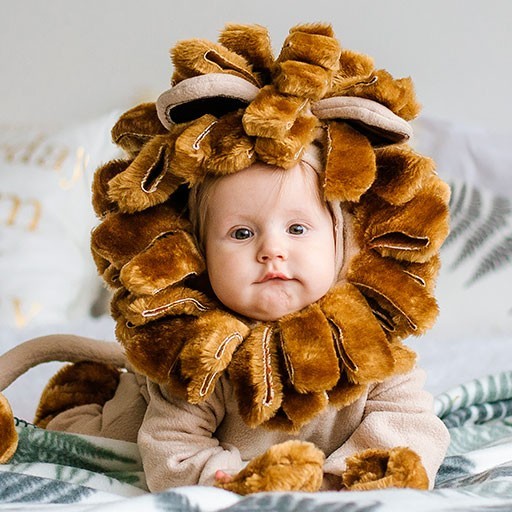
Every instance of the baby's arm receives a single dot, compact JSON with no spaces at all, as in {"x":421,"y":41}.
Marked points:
{"x":177,"y":442}
{"x":398,"y":413}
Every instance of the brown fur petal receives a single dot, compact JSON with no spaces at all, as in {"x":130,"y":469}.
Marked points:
{"x":121,"y":236}
{"x":9,"y":437}
{"x":425,"y":273}
{"x":345,"y":392}
{"x":205,"y":357}
{"x":314,"y":48}
{"x":319,"y":28}
{"x":354,"y":65}
{"x":380,"y":469}
{"x":231,"y":148}
{"x":148,"y":180}
{"x":397,"y":95}
{"x":287,"y":151}
{"x":308,"y":349}
{"x":153,"y":349}
{"x":272,"y":114}
{"x":76,"y":384}
{"x":251,"y":42}
{"x":101,"y":203}
{"x":302,"y":79}
{"x":401,"y":173}
{"x":362,"y":345}
{"x":350,"y":168}
{"x":415,"y":231}
{"x":171,"y":301}
{"x":136,"y":127}
{"x":199,"y":57}
{"x":301,"y":408}
{"x":192,"y":148}
{"x":289,"y":466}
{"x":255,"y":374}
{"x":405,"y":358}
{"x":167,"y":261}
{"x":387,"y":280}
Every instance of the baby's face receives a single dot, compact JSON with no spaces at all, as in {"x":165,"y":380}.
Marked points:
{"x":269,"y":242}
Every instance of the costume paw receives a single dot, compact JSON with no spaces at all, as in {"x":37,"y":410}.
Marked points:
{"x":8,"y":434}
{"x":378,"y":469}
{"x":289,"y":466}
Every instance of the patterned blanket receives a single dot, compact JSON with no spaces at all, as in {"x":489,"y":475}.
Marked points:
{"x":56,"y":471}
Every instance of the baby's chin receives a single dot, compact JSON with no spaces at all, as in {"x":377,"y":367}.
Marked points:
{"x":271,"y":310}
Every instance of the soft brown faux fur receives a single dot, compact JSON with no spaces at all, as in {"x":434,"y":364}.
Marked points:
{"x":378,"y":469}
{"x":8,"y":434}
{"x":76,"y":384}
{"x":289,"y":466}
{"x":285,"y":372}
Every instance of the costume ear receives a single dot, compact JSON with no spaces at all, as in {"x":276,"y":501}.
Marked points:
{"x":375,"y":121}
{"x":350,"y":167}
{"x":214,"y":94}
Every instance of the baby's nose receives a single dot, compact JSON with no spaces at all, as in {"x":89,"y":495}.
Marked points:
{"x":272,"y":248}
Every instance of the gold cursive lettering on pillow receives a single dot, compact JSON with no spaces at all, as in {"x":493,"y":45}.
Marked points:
{"x":22,"y":318}
{"x":19,"y":209}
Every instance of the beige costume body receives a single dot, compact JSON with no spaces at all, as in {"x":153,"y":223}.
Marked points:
{"x":184,"y":444}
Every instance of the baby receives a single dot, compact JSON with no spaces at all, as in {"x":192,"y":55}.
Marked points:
{"x":264,"y":285}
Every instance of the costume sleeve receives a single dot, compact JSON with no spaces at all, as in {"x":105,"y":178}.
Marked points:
{"x":398,"y":413}
{"x":177,"y":442}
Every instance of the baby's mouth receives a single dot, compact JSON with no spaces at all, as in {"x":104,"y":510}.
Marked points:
{"x":270,"y":276}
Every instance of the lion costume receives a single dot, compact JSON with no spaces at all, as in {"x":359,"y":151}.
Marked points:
{"x":232,"y":104}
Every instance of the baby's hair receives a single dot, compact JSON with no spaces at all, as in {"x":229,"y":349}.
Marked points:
{"x":200,"y":195}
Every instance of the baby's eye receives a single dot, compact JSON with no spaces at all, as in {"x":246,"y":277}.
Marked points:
{"x":297,"y":229}
{"x":241,"y":234}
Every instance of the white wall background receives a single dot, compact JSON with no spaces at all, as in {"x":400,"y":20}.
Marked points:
{"x":68,"y":60}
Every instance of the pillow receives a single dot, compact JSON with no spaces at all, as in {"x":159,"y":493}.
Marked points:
{"x":48,"y":275}
{"x":473,"y":288}
{"x":474,"y":285}
{"x":466,"y":153}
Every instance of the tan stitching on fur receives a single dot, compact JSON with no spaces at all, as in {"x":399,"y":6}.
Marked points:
{"x":202,"y":135}
{"x":414,"y":327}
{"x":288,"y":364}
{"x":340,"y":348}
{"x":267,"y":367}
{"x":149,"y":171}
{"x":207,"y":382}
{"x":225,"y":343}
{"x":417,"y":278}
{"x":148,"y":313}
